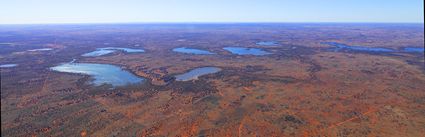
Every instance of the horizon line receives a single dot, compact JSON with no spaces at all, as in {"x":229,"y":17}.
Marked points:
{"x":205,"y":22}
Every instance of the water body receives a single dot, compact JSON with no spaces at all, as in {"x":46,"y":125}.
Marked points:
{"x":195,"y":73}
{"x":412,"y":49}
{"x":42,"y":49}
{"x":7,"y":44}
{"x":341,"y":46}
{"x":108,"y":50}
{"x":192,"y":51}
{"x":129,"y":50}
{"x":246,"y":51}
{"x":267,"y":43}
{"x":8,"y":65}
{"x":99,"y":52}
{"x":102,"y":73}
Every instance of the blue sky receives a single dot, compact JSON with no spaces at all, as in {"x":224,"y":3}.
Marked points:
{"x":116,"y":11}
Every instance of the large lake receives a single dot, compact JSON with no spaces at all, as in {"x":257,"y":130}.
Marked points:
{"x":192,"y":51}
{"x":102,"y":73}
{"x":108,"y":50}
{"x":246,"y":51}
{"x":195,"y":73}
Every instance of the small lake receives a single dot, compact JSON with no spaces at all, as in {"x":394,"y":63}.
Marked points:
{"x":341,"y":46}
{"x":108,"y":50}
{"x":102,"y":73}
{"x":267,"y":43}
{"x":8,"y":65}
{"x":195,"y":73}
{"x":412,"y":49}
{"x":246,"y":51}
{"x":192,"y":51}
{"x":42,"y":49}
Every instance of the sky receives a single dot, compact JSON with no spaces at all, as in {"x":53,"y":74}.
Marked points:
{"x":157,"y":11}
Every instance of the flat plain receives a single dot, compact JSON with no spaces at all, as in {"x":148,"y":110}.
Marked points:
{"x":276,"y":80}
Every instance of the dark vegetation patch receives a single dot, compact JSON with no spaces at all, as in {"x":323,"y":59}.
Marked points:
{"x":255,"y":68}
{"x":200,"y":86}
{"x":294,"y":52}
{"x":210,"y":99}
{"x":235,"y":116}
{"x":193,"y":60}
{"x":293,"y":119}
{"x":367,"y":72}
{"x":420,"y":63}
{"x":363,"y":131}
{"x":265,"y":107}
{"x":246,"y":77}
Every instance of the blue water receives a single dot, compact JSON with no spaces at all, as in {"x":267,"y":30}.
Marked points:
{"x":411,"y":49}
{"x":8,"y":65}
{"x":102,"y":73}
{"x":195,"y":73}
{"x":42,"y":49}
{"x":192,"y":51}
{"x":99,"y":52}
{"x":108,"y":50}
{"x":267,"y":43}
{"x":246,"y":51}
{"x":129,"y":50}
{"x":340,"y":46}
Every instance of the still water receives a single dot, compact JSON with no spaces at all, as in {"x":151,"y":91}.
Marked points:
{"x":246,"y":51}
{"x":102,"y":73}
{"x":192,"y":51}
{"x":340,"y":46}
{"x":267,"y":43}
{"x":195,"y":73}
{"x":108,"y":50}
{"x":8,"y":65}
{"x":412,"y":49}
{"x":42,"y":49}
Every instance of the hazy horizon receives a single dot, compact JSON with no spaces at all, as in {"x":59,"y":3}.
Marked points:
{"x":147,"y":23}
{"x":209,"y":11}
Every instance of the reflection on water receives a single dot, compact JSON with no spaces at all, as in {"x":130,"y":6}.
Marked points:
{"x":42,"y":49}
{"x":192,"y":51}
{"x":102,"y":73}
{"x":267,"y":43}
{"x":108,"y":50}
{"x":195,"y":73}
{"x":98,"y":52}
{"x":246,"y":51}
{"x":8,"y":65}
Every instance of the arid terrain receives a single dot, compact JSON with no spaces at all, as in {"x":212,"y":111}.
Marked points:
{"x":303,"y":86}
